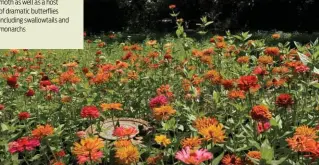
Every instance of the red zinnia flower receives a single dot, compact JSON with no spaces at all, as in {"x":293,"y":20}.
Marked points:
{"x":60,"y":153}
{"x":1,"y":107}
{"x":247,"y":83}
{"x":24,"y":115}
{"x":90,"y":112}
{"x":228,"y":84}
{"x":12,"y":81}
{"x":284,"y":100}
{"x":30,"y":93}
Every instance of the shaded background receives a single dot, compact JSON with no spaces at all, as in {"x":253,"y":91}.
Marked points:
{"x":237,"y":15}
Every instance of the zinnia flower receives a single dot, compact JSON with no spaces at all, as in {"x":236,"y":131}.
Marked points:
{"x":88,"y":150}
{"x":193,"y":157}
{"x":122,"y":143}
{"x":172,"y":6}
{"x":12,"y":81}
{"x":111,"y":106}
{"x":272,"y":51}
{"x":43,"y":131}
{"x":163,"y":112}
{"x":23,"y":144}
{"x":122,"y":132}
{"x":81,"y":134}
{"x":214,"y":133}
{"x":253,"y":155}
{"x":2,"y":107}
{"x":236,"y":94}
{"x":127,"y":155}
{"x":301,"y":143}
{"x":231,"y":160}
{"x":24,"y":115}
{"x":284,"y":100}
{"x":152,"y":160}
{"x":275,"y":36}
{"x":306,"y":131}
{"x":162,"y":140}
{"x":90,"y":112}
{"x":158,"y":101}
{"x":263,"y":126}
{"x":247,"y":83}
{"x":204,"y":122}
{"x":192,"y":142}
{"x":260,"y":113}
{"x":213,"y":76}
{"x":29,"y":93}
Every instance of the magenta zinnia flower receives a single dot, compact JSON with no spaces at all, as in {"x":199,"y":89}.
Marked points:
{"x":193,"y":157}
{"x":158,"y":101}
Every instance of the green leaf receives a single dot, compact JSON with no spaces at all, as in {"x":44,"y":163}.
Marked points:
{"x":278,"y":162}
{"x":267,"y":152}
{"x":255,"y":144}
{"x":208,"y":23}
{"x":315,"y":70}
{"x":304,"y":59}
{"x":218,"y":159}
{"x":316,"y":85}
{"x":273,"y":122}
{"x":35,"y":157}
{"x":4,"y":127}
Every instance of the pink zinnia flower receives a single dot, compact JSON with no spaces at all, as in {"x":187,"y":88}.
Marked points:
{"x":260,"y":71}
{"x":193,"y":157}
{"x":302,"y":69}
{"x":124,"y":131}
{"x":263,"y":126}
{"x":158,"y":101}
{"x":23,"y":144}
{"x":53,"y":88}
{"x":81,"y":134}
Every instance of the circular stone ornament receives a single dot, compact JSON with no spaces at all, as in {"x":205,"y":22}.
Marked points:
{"x":107,"y":127}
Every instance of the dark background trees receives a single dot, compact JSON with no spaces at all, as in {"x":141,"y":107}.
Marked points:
{"x":142,"y":15}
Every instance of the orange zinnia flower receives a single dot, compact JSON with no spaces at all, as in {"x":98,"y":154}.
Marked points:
{"x":253,"y":155}
{"x":89,"y":149}
{"x":213,"y":76}
{"x":272,"y":51}
{"x":243,"y":59}
{"x":236,"y":94}
{"x":260,"y":113}
{"x":301,"y":143}
{"x":214,"y":133}
{"x":43,"y":131}
{"x":152,"y":160}
{"x":111,"y":106}
{"x":306,"y":131}
{"x":191,"y":142}
{"x":275,"y":36}
{"x":231,"y":160}
{"x":127,"y":155}
{"x":204,"y":122}
{"x":163,"y":112}
{"x":265,"y":60}
{"x":122,"y":143}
